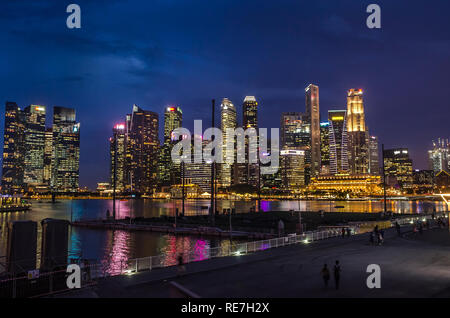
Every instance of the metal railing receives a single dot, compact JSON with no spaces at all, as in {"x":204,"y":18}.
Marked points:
{"x":51,"y":282}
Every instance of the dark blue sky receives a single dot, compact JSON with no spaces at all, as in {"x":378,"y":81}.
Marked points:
{"x":156,"y":53}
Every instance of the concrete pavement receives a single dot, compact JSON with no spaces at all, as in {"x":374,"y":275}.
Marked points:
{"x":411,"y":266}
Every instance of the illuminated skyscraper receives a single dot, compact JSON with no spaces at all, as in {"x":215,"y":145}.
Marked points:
{"x":66,"y":150}
{"x":34,"y":145}
{"x":439,"y":156}
{"x":398,"y":167}
{"x":292,"y":164}
{"x":250,"y":120}
{"x":227,"y":120}
{"x":325,"y":147}
{"x":358,"y":153}
{"x":338,"y":141}
{"x":312,"y":117}
{"x":374,"y":165}
{"x":142,"y":150}
{"x":291,"y":127}
{"x":48,"y":156}
{"x":13,"y":150}
{"x":118,"y":140}
{"x":169,"y":173}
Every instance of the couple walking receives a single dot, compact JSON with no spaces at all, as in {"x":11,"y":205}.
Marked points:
{"x":326,"y":274}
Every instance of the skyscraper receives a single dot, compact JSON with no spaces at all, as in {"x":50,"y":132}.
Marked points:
{"x":34,"y":145}
{"x":325,"y":147}
{"x":250,"y":120}
{"x":13,"y":150}
{"x":118,"y":157}
{"x":312,"y":116}
{"x":398,"y":167}
{"x":374,"y":166}
{"x":169,"y":172}
{"x":338,"y":141}
{"x":291,"y":126}
{"x":227,"y":120}
{"x":358,"y":153}
{"x":48,"y":156}
{"x":142,"y":149}
{"x":439,"y":156}
{"x":66,"y":150}
{"x":292,"y":169}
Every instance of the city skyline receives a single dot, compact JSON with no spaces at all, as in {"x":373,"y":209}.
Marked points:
{"x":103,"y":69}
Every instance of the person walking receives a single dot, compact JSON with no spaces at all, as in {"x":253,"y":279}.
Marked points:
{"x":397,"y":227}
{"x":372,"y":238}
{"x":349,"y":232}
{"x":181,"y":267}
{"x":337,"y":274}
{"x":325,"y":275}
{"x":343,"y":232}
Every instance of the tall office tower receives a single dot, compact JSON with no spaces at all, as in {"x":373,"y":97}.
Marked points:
{"x":358,"y":154}
{"x":66,"y":150}
{"x":398,"y":167}
{"x":291,"y":125}
{"x":48,"y":146}
{"x":312,"y":117}
{"x":13,"y":150}
{"x":170,"y":172}
{"x":374,"y":165}
{"x":338,"y":141}
{"x":250,"y":120}
{"x":34,"y":145}
{"x":143,"y":147}
{"x":439,"y":156}
{"x":117,"y":150}
{"x":325,"y":147}
{"x":292,"y":164}
{"x":199,"y":173}
{"x":227,"y":120}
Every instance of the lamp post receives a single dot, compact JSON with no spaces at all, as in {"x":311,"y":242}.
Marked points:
{"x":384,"y":179}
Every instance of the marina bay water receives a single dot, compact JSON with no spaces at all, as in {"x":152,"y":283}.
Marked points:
{"x":118,"y":245}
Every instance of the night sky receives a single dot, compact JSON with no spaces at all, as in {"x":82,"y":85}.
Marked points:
{"x":184,"y":53}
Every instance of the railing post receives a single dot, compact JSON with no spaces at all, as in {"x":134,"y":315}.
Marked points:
{"x":150,"y":264}
{"x":137,"y":264}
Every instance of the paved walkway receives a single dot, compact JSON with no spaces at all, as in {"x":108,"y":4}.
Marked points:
{"x":411,"y":266}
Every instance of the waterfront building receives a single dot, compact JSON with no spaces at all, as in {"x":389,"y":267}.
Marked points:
{"x":338,"y":141}
{"x":168,"y":171}
{"x":48,"y":149}
{"x":142,"y":150}
{"x":198,"y":174}
{"x":374,"y":166}
{"x":442,"y":180}
{"x":358,"y":153}
{"x":439,"y":156}
{"x":117,"y":151}
{"x":250,"y":172}
{"x":13,"y":150}
{"x":398,"y":168}
{"x":34,"y":145}
{"x":66,"y":150}
{"x":423,"y":181}
{"x":312,"y":117}
{"x":291,"y":126}
{"x":227,"y":120}
{"x":325,"y":147}
{"x":292,"y":163}
{"x":363,"y":184}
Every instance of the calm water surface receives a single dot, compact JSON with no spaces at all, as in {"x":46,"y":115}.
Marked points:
{"x":119,"y":246}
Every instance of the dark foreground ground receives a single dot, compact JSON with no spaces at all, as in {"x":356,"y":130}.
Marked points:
{"x":411,"y":266}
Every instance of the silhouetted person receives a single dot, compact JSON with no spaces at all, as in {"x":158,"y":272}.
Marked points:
{"x":372,"y":238}
{"x":397,"y":227}
{"x":343,"y":232}
{"x":337,"y":274}
{"x":181,"y":267}
{"x":376,"y":230}
{"x":349,"y":232}
{"x":325,"y":274}
{"x":420,"y":228}
{"x":107,"y":214}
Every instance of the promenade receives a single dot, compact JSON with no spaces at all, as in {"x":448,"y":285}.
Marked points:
{"x":411,"y":266}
